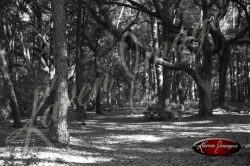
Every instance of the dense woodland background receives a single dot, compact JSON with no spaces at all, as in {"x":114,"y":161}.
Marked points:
{"x":107,"y":55}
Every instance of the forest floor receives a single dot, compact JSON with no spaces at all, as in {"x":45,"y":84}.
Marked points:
{"x":120,"y":138}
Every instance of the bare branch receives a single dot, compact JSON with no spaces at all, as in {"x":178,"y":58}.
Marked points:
{"x":178,"y":66}
{"x":142,"y":9}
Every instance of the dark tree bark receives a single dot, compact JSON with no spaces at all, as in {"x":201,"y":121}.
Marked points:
{"x":231,"y":82}
{"x":61,"y":67}
{"x":224,"y":60}
{"x":79,"y":66}
{"x":238,"y":79}
{"x":205,"y":100}
{"x":12,"y":95}
{"x":204,"y":85}
{"x":98,"y":102}
{"x":98,"y":93}
{"x":248,"y":75}
{"x":232,"y":79}
{"x":180,"y":88}
{"x":165,"y":93}
{"x":144,"y":82}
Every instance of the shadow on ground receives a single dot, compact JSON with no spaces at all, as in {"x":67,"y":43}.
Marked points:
{"x":120,"y":138}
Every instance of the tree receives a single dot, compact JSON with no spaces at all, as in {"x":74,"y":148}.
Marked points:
{"x":5,"y":68}
{"x":171,"y":34}
{"x":223,"y":45}
{"x":79,"y":56}
{"x":9,"y":85}
{"x":61,"y":59}
{"x":176,"y":27}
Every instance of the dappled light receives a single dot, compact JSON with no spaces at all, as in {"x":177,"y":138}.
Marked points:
{"x":109,"y":140}
{"x":125,"y":82}
{"x":41,"y":155}
{"x":136,"y":138}
{"x":179,"y":150}
{"x":244,"y":128}
{"x":192,"y":122}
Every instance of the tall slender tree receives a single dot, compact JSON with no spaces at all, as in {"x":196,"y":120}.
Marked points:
{"x":12,"y":95}
{"x":61,"y":67}
{"x":79,"y":56}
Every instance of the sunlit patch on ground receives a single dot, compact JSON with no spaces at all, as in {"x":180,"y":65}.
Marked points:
{"x":239,"y":113}
{"x":192,"y":134}
{"x":77,"y":141}
{"x":127,"y":139}
{"x":178,"y":150}
{"x":136,"y":138}
{"x":53,"y":155}
{"x":220,"y":111}
{"x":192,"y":122}
{"x":91,"y":122}
{"x":245,"y":128}
{"x":100,"y":144}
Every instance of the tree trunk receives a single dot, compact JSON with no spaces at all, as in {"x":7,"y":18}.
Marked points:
{"x":166,"y":87}
{"x":12,"y":95}
{"x":61,"y":67}
{"x":205,"y":100}
{"x":248,"y":76}
{"x":79,"y":67}
{"x":181,"y":94}
{"x":98,"y":102}
{"x":159,"y":81}
{"x":205,"y":84}
{"x":165,"y":94}
{"x":233,"y":79}
{"x":238,"y":79}
{"x":145,"y":87}
{"x":159,"y":69}
{"x":224,"y":63}
{"x":98,"y":93}
{"x":174,"y":87}
{"x":79,"y":84}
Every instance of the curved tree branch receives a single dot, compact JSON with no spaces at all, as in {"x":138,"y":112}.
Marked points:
{"x":135,"y":6}
{"x":175,"y":66}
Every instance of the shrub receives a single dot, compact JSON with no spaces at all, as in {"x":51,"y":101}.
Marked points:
{"x":155,"y":112}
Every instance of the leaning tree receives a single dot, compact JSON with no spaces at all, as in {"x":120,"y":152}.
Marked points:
{"x":200,"y":35}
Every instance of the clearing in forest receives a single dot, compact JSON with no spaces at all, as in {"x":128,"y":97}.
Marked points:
{"x":119,"y":138}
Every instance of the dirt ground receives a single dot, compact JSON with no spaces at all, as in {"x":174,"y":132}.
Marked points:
{"x":120,"y":138}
